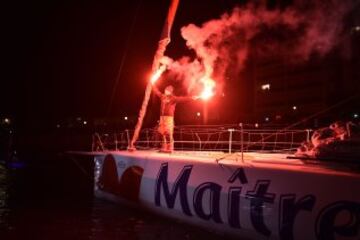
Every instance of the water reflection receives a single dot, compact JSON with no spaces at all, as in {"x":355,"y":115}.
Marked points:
{"x":29,"y":209}
{"x":4,"y":196}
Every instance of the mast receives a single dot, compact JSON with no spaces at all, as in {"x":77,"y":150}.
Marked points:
{"x":163,"y":42}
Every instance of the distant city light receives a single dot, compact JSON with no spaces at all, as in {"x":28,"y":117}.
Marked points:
{"x":356,"y":28}
{"x":58,"y":126}
{"x":267,"y":119}
{"x":356,"y":115}
{"x":198,"y":114}
{"x":6,"y":120}
{"x":125,"y":118}
{"x":78,"y":119}
{"x":84,"y":122}
{"x":265,"y":86}
{"x":256,"y":125}
{"x":294,"y":108}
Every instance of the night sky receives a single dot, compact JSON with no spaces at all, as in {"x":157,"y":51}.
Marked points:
{"x":61,"y":58}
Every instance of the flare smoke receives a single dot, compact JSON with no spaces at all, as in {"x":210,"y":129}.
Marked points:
{"x":223,"y":45}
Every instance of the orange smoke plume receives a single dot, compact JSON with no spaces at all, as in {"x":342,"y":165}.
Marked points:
{"x":222,"y":46}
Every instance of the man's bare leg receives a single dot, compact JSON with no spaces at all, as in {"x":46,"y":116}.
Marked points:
{"x":163,"y":144}
{"x":171,"y":143}
{"x":167,"y":144}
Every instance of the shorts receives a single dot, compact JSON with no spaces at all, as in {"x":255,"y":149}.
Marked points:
{"x":166,"y":125}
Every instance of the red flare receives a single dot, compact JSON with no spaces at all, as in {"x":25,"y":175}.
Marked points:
{"x":157,"y":74}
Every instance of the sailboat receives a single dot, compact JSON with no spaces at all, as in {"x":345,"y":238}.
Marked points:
{"x":234,"y":186}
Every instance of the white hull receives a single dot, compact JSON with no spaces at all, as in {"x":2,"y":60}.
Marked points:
{"x":266,"y":196}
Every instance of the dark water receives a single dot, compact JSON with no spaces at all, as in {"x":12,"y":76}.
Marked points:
{"x":53,"y":200}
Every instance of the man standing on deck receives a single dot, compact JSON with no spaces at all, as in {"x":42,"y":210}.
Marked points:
{"x":167,"y":110}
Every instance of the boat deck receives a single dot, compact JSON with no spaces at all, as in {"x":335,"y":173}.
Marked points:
{"x":278,"y":161}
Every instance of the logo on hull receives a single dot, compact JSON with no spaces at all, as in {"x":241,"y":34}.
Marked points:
{"x":128,"y":186}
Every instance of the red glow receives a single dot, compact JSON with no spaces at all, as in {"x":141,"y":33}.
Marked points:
{"x":208,"y":91}
{"x":157,"y":74}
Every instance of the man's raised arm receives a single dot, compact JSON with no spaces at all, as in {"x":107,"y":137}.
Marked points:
{"x":156,"y":90}
{"x":186,"y":98}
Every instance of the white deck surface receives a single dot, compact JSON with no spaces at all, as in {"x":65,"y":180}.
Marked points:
{"x":277,"y":161}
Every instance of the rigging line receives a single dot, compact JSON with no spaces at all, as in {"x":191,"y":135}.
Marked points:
{"x":312,"y":116}
{"x":131,"y":30}
{"x":315,"y":114}
{"x":321,"y":112}
{"x":301,"y":121}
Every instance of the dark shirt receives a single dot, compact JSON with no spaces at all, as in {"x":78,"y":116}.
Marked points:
{"x":168,"y":102}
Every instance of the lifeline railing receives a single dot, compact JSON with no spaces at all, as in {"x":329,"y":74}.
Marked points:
{"x":224,"y":138}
